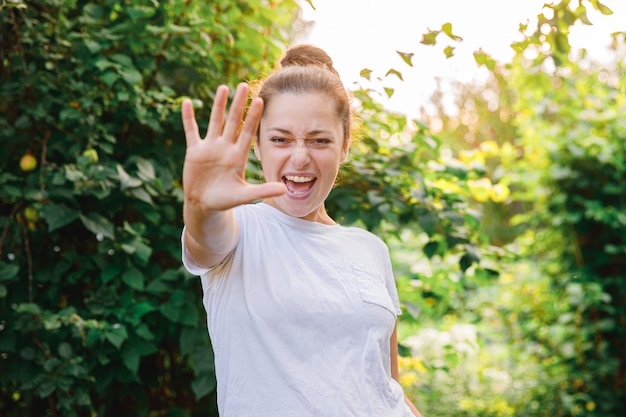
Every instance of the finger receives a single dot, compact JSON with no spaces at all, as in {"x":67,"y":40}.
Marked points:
{"x":216,"y":120}
{"x":251,"y":124}
{"x":189,"y":123}
{"x":254,"y":192}
{"x":235,"y":113}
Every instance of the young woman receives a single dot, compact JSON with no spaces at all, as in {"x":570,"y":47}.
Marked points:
{"x":301,"y":311}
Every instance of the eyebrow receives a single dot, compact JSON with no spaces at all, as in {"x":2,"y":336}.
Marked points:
{"x":308,"y":134}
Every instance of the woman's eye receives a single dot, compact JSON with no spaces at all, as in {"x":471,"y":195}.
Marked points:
{"x":321,"y":141}
{"x":278,"y":140}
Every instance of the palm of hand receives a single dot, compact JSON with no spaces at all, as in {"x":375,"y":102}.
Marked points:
{"x":214,"y":168}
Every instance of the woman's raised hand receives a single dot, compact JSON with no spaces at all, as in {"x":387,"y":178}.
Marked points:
{"x":214,"y":169}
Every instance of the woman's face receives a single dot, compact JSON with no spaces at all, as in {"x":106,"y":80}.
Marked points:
{"x":301,"y":144}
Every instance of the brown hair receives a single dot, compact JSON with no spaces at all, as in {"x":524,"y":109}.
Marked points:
{"x":308,"y":69}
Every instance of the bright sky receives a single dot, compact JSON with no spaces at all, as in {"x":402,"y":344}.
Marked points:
{"x":361,"y":34}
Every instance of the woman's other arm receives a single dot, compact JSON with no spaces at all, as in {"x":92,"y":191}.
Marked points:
{"x":395,"y":373}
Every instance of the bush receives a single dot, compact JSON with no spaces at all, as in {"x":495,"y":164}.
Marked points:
{"x":96,"y":314}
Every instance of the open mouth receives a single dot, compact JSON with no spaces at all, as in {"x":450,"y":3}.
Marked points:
{"x":299,"y":185}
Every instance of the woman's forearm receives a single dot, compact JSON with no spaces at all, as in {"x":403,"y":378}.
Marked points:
{"x":209,"y":237}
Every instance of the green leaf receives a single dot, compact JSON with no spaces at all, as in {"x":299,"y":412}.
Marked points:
{"x":28,"y":353}
{"x":131,"y":361}
{"x":144,"y":332}
{"x":142,"y":252}
{"x":203,"y":385}
{"x":447,"y":29}
{"x":465,"y":262}
{"x":366,"y":73}
{"x":3,"y":291}
{"x":74,"y":174}
{"x":58,"y":215}
{"x":190,"y":338}
{"x":133,"y":352}
{"x":581,"y":13}
{"x":158,"y":287}
{"x":138,"y":12}
{"x":130,"y":75}
{"x":186,"y":314}
{"x":449,"y":51}
{"x":141,"y":194}
{"x":7,"y":340}
{"x":98,"y":225}
{"x":29,"y":308}
{"x":46,"y":388}
{"x":109,"y":271}
{"x":138,"y":310}
{"x":93,"y":46}
{"x":407,"y":57}
{"x":10,"y":191}
{"x":602,"y":8}
{"x":452,"y":358}
{"x":109,"y":78}
{"x":102,"y":64}
{"x":93,"y":11}
{"x":483,"y":58}
{"x":473,"y":253}
{"x":430,"y":38}
{"x":65,"y":350}
{"x":146,"y":170}
{"x":122,"y":59}
{"x":202,"y":360}
{"x":170,"y":311}
{"x":430,"y":249}
{"x":8,"y":271}
{"x":178,"y":29}
{"x":116,"y":335}
{"x":133,"y":278}
{"x":13,"y":5}
{"x":428,"y":222}
{"x":126,"y":181}
{"x":394,"y":72}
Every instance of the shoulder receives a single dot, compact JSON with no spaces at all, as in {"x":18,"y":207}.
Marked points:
{"x":250,"y":213}
{"x":363,"y":235}
{"x":357,"y":240}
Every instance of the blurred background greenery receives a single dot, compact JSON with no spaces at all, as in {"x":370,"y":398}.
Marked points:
{"x":506,"y":223}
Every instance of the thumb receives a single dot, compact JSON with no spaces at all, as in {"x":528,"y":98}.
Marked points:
{"x":255,"y":192}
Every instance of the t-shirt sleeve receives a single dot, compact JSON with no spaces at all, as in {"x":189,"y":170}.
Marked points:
{"x":390,"y":280}
{"x":194,"y":268}
{"x":188,"y":263}
{"x":393,"y":291}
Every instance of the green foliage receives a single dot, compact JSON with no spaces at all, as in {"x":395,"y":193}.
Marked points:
{"x":97,"y":317}
{"x":553,"y":322}
{"x":576,"y":172}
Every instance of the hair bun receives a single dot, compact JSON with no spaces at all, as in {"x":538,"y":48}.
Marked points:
{"x":307,"y":55}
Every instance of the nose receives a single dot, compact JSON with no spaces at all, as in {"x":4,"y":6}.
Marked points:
{"x":300,"y":156}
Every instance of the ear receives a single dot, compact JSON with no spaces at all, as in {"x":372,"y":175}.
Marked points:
{"x":344,"y":151}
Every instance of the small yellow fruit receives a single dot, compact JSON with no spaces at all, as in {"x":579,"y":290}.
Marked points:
{"x":91,"y":154}
{"x":31,"y":214}
{"x":28,"y":163}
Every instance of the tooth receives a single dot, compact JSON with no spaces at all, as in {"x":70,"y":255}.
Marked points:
{"x":296,"y":178}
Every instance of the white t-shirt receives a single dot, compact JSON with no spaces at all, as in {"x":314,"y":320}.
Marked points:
{"x":300,"y":315}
